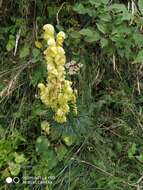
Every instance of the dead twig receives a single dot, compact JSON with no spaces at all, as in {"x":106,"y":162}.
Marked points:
{"x":92,"y":165}
{"x":57,"y":16}
{"x":17,"y":40}
{"x":12,"y":83}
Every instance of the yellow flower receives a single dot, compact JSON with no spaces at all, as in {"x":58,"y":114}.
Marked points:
{"x":45,"y":126}
{"x":61,"y":34}
{"x":49,"y":60}
{"x":62,"y":98}
{"x":68,"y":140}
{"x":41,"y":86}
{"x":60,"y":60}
{"x":54,"y":72}
{"x":49,"y":28}
{"x":38,"y":44}
{"x":61,"y":51}
{"x":51,"y":42}
{"x":51,"y":51}
{"x":50,"y":68}
{"x":60,"y":119}
{"x":69,"y":90}
{"x":65,"y":108}
{"x":57,"y":94}
{"x":60,"y":38}
{"x":49,"y":31}
{"x":60,"y":112}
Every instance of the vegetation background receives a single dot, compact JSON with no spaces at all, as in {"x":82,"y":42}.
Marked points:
{"x":101,"y":148}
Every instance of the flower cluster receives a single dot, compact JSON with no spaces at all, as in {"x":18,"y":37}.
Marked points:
{"x":57,"y":94}
{"x":73,"y":67}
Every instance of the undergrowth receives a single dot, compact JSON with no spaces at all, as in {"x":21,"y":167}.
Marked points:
{"x":101,"y":147}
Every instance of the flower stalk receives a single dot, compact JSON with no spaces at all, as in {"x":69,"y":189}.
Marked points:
{"x":57,"y":93}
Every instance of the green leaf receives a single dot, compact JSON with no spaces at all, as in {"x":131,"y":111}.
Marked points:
{"x":79,"y":8}
{"x":105,"y":17}
{"x":140,"y":157}
{"x":51,"y":159}
{"x":75,"y":35}
{"x":132,"y":151}
{"x":14,"y":168}
{"x":61,"y":152}
{"x":102,"y":27}
{"x":122,"y":29}
{"x":138,"y":38}
{"x":59,"y":27}
{"x":86,"y":32}
{"x":42,"y":145}
{"x":24,"y":52}
{"x":11,"y":43}
{"x":104,"y":42}
{"x":38,"y":74}
{"x":91,"y":35}
{"x":35,"y":52}
{"x":55,"y":134}
{"x":126,"y":16}
{"x":19,"y":158}
{"x":140,"y":4}
{"x":97,"y":3}
{"x":139,"y":57}
{"x":121,"y":8}
{"x":118,"y":7}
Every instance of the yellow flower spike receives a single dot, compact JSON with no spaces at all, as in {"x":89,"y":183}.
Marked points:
{"x":61,"y":35}
{"x":57,"y":94}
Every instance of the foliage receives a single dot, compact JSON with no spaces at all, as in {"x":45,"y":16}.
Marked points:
{"x":102,"y":147}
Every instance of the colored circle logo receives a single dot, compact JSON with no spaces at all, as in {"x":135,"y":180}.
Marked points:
{"x":8,"y":180}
